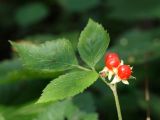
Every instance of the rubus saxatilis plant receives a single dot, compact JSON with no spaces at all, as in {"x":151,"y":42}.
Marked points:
{"x":58,"y":56}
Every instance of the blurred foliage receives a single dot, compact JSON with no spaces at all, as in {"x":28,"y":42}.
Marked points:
{"x":134,"y":28}
{"x":78,"y":5}
{"x":30,"y":14}
{"x":14,"y":71}
{"x":135,"y":10}
{"x":130,"y":46}
{"x":57,"y":111}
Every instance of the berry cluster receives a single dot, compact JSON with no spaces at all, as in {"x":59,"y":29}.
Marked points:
{"x":115,"y":67}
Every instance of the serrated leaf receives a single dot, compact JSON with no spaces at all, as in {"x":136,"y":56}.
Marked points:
{"x":57,"y":55}
{"x":68,"y":85}
{"x":93,"y":43}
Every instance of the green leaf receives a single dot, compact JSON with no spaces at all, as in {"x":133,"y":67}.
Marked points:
{"x":15,"y":72}
{"x":73,"y":112}
{"x":1,"y":117}
{"x":90,"y":116}
{"x":93,"y":43}
{"x":68,"y":85}
{"x":50,"y":111}
{"x":55,"y":111}
{"x":57,"y":55}
{"x":31,"y":13}
{"x":85,"y":102}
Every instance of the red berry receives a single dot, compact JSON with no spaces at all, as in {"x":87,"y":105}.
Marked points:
{"x":111,"y":55}
{"x":112,"y":63}
{"x":124,"y":72}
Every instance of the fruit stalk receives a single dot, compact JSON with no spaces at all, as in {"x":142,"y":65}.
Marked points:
{"x":114,"y":89}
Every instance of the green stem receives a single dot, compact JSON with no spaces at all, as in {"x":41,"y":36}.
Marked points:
{"x":114,"y":89}
{"x":81,"y":67}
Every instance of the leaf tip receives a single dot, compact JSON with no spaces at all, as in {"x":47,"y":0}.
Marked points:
{"x":39,"y":101}
{"x":91,"y":21}
{"x":11,"y":42}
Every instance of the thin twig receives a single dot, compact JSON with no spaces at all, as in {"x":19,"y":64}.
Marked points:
{"x":147,"y":95}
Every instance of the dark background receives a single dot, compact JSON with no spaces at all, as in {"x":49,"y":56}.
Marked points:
{"x":134,"y":28}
